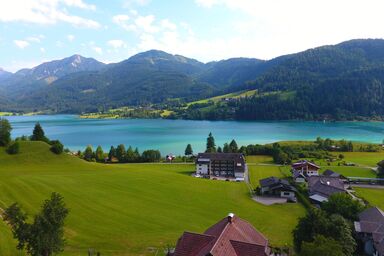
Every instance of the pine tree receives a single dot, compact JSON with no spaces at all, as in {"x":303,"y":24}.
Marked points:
{"x":233,"y":147}
{"x":88,"y":153}
{"x":226,"y":148}
{"x":112,"y":153}
{"x":121,"y":153}
{"x":38,"y":133}
{"x":211,"y":146}
{"x":188,"y":150}
{"x":219,"y":150}
{"x":5,"y":132}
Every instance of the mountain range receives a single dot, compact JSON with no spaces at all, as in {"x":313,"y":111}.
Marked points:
{"x":337,"y":81}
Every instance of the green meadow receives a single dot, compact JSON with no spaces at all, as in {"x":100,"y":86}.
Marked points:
{"x":130,"y":209}
{"x":373,"y":196}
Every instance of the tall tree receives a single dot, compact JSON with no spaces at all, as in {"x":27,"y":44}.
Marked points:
{"x":219,"y":149}
{"x":233,"y":146}
{"x":121,"y":153}
{"x":45,"y":236}
{"x":99,"y":155}
{"x":38,"y":133}
{"x":112,"y":153}
{"x":344,"y":205}
{"x":226,"y":148}
{"x":5,"y":132}
{"x":211,"y":146}
{"x":188,"y":150}
{"x":88,"y":153}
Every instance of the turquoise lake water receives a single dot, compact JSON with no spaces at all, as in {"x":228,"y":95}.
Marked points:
{"x":172,"y":136}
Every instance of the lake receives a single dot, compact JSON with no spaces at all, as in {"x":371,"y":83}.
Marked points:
{"x":172,"y":136}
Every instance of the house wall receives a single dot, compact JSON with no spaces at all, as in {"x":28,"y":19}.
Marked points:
{"x":202,"y":169}
{"x":299,"y":180}
{"x":264,"y":190}
{"x":287,"y":194}
{"x":312,"y":173}
{"x":239,"y":174}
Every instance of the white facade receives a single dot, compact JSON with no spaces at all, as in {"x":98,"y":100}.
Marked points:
{"x":202,"y":169}
{"x":287,"y":194}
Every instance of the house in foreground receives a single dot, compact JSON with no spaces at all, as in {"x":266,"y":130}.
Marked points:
{"x":274,"y":186}
{"x":320,"y":188}
{"x":303,"y":169}
{"x":231,"y":236}
{"x":370,"y":229}
{"x":228,"y":165}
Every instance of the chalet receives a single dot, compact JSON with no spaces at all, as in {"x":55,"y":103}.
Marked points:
{"x":320,"y":188}
{"x":231,"y":236}
{"x":370,"y":230}
{"x":303,"y":169}
{"x":229,"y":165}
{"x":277,"y":187}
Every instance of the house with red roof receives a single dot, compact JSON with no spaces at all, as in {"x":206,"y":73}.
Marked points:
{"x":231,"y":236}
{"x":303,"y":169}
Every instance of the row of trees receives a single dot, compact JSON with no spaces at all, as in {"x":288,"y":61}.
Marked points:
{"x":327,"y":231}
{"x":227,"y":148}
{"x":120,"y":154}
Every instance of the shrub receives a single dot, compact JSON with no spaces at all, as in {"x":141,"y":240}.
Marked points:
{"x":13,"y":148}
{"x":57,"y":147}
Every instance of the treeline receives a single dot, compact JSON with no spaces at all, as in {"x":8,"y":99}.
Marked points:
{"x":13,"y":146}
{"x":119,"y":155}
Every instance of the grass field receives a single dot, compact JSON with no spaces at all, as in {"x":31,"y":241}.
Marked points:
{"x":352,"y":171}
{"x":129,"y":209}
{"x":234,"y":95}
{"x":258,"y":172}
{"x":259,"y":159}
{"x":373,"y":196}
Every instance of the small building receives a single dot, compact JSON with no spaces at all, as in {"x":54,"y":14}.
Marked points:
{"x":231,"y":236}
{"x":370,"y":230}
{"x":320,"y":188}
{"x":303,"y":169}
{"x":228,"y":165}
{"x":330,"y":173}
{"x":277,"y":187}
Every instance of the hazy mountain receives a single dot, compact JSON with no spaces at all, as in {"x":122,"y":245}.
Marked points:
{"x":26,"y":80}
{"x":4,"y":74}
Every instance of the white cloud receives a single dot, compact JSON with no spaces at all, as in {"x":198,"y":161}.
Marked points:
{"x":97,"y":49}
{"x":116,"y":43}
{"x":123,"y":20}
{"x":21,"y":43}
{"x":42,"y":49}
{"x":70,"y":38}
{"x":166,"y":24}
{"x":131,"y":3}
{"x":33,"y":39}
{"x":145,"y":23}
{"x":45,"y":12}
{"x":279,"y":27}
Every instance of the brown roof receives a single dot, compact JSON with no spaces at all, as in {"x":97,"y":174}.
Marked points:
{"x":231,"y":236}
{"x":304,"y":163}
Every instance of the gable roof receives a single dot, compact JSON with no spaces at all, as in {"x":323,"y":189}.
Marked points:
{"x":325,"y":185}
{"x":372,"y":222}
{"x":231,"y":236}
{"x":276,"y":183}
{"x":304,"y":163}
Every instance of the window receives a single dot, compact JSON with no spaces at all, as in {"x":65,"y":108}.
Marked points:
{"x":287,"y":193}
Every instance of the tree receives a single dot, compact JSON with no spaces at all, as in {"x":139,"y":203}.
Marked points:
{"x":233,"y":146}
{"x":151,"y":155}
{"x":121,"y":153}
{"x":211,"y":146}
{"x":322,"y":246}
{"x":111,"y":154}
{"x":344,"y":205}
{"x":5,"y":132}
{"x":99,"y":155}
{"x":341,"y":156}
{"x":226,"y":148}
{"x":219,"y":150}
{"x":56,"y":147}
{"x":45,"y":236}
{"x":38,"y":133}
{"x":188,"y":150}
{"x":88,"y":153}
{"x":132,"y":156}
{"x":13,"y":148}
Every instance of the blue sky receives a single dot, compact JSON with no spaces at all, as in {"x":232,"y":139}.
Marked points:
{"x":34,"y":31}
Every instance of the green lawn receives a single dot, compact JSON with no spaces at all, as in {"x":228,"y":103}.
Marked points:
{"x":364,"y":158}
{"x":373,"y":196}
{"x":259,"y":159}
{"x":351,"y":171}
{"x":128,"y":209}
{"x":258,"y":172}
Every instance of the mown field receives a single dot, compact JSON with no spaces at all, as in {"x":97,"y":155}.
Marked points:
{"x":130,"y":209}
{"x":373,"y":196}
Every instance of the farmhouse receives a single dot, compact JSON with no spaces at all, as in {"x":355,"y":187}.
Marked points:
{"x":231,"y":236}
{"x":320,"y":188}
{"x":303,"y":169}
{"x":277,"y":187}
{"x":330,"y":173}
{"x":370,"y":229}
{"x":229,"y":165}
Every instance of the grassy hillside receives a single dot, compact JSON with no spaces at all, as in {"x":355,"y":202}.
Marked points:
{"x":129,"y":209}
